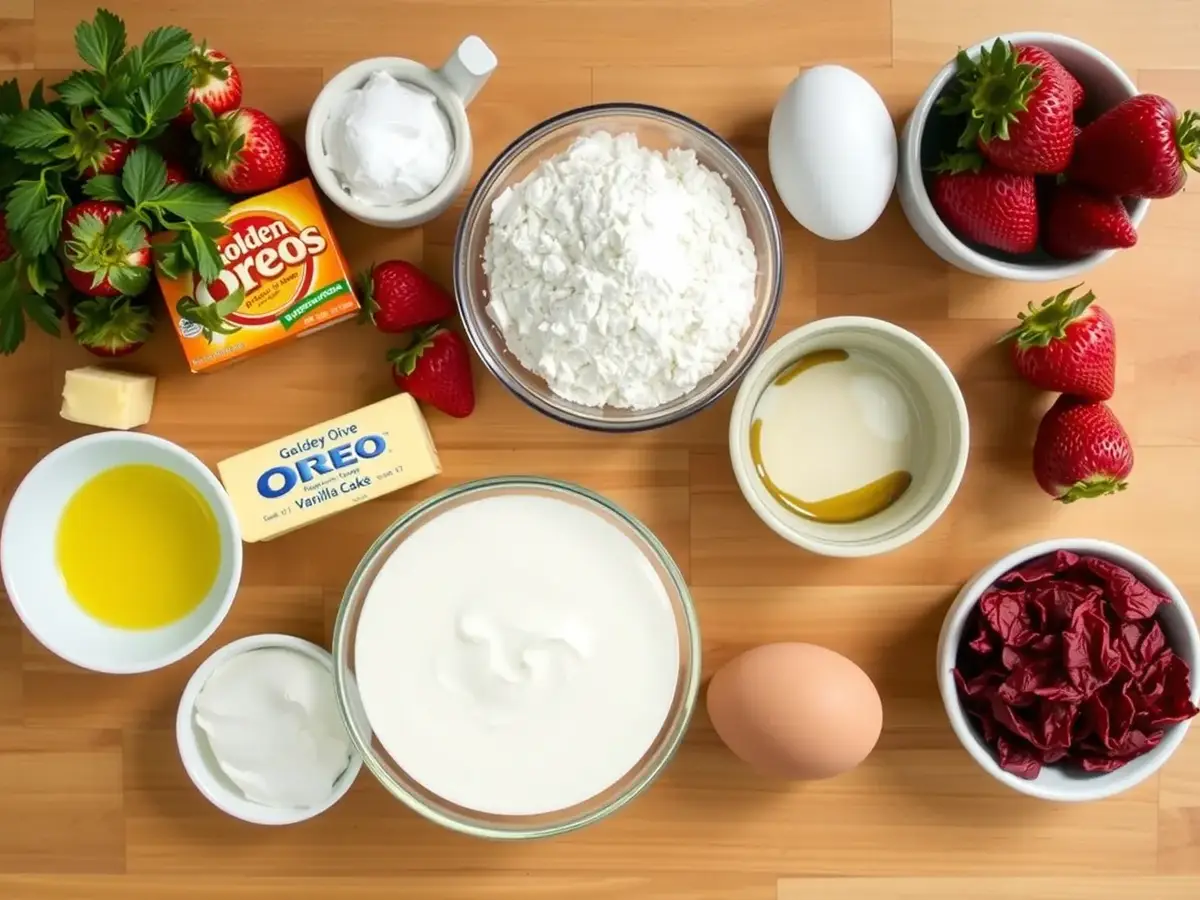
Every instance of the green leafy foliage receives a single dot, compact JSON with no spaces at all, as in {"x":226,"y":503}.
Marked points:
{"x":101,"y":42}
{"x":211,"y":316}
{"x":144,"y":175}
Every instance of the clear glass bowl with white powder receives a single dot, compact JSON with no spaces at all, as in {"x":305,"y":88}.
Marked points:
{"x":516,"y":658}
{"x":658,"y":130}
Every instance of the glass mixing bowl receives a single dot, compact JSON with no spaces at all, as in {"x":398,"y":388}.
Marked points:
{"x":392,"y":775}
{"x":659,"y":129}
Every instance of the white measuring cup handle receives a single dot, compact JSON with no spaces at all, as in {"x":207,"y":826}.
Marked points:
{"x":468,"y":68}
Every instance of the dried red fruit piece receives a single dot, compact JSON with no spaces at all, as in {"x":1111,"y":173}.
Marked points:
{"x":1130,"y":598}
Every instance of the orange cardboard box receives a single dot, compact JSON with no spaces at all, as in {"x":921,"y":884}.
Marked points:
{"x":283,"y":277}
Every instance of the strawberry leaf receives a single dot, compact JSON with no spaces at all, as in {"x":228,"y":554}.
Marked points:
{"x":144,"y":175}
{"x":35,"y":128}
{"x":39,"y":310}
{"x":192,"y":202}
{"x":12,"y":324}
{"x":130,"y":280}
{"x":104,"y":187}
{"x":44,"y":274}
{"x":79,"y":89}
{"x":10,"y":99}
{"x":162,"y":98}
{"x":170,"y":258}
{"x":205,"y":255}
{"x":164,"y":47}
{"x":40,"y":233}
{"x":35,"y":156}
{"x":36,"y":98}
{"x":100,"y":42}
{"x":34,"y":216}
{"x":121,"y":120}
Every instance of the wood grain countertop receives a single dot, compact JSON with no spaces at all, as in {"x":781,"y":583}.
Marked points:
{"x":93,"y":800}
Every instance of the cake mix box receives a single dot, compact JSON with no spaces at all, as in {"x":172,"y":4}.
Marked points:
{"x":283,"y":277}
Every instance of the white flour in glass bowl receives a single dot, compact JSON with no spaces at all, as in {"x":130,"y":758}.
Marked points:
{"x":621,"y":275}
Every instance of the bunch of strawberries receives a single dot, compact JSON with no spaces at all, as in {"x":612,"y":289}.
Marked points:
{"x":1068,"y":344}
{"x":1025,"y":173}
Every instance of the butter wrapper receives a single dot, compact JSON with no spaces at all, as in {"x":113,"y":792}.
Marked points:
{"x":320,"y":471}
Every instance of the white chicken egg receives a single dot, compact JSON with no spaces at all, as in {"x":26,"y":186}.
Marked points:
{"x":833,"y":152}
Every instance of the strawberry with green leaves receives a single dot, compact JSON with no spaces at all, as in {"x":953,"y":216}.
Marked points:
{"x":215,"y":83}
{"x":397,"y":296}
{"x":109,"y":326}
{"x":1068,"y":344}
{"x":436,"y":368}
{"x":244,"y":151}
{"x":106,"y":251}
{"x":1081,"y":451}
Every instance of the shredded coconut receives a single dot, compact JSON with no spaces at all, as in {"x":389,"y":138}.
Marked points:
{"x":621,"y":275}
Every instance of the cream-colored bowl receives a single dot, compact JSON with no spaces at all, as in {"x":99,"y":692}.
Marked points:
{"x":36,"y":588}
{"x":941,"y":427}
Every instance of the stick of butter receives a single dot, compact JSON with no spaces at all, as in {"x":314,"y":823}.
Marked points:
{"x":322,"y":470}
{"x":107,"y":398}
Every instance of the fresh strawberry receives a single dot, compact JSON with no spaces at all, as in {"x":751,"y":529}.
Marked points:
{"x":177,"y":173}
{"x":6,"y":247}
{"x":1067,"y":345}
{"x":109,"y":158}
{"x":1140,"y":148}
{"x":986,"y":205}
{"x":1019,"y":112}
{"x":1081,"y":451}
{"x":109,"y":326}
{"x":243,"y":151}
{"x":1050,"y":64}
{"x":1078,"y":222}
{"x":106,"y":251}
{"x":216,"y":83}
{"x":397,"y":296}
{"x":436,"y":368}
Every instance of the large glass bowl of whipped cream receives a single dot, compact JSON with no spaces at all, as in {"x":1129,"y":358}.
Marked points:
{"x":599,"y":281}
{"x":516,"y":658}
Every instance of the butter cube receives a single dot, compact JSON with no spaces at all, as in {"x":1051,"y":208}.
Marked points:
{"x":315,"y":473}
{"x":107,"y":398}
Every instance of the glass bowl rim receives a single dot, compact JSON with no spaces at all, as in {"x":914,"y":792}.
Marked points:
{"x":692,"y":677}
{"x":473,"y":328}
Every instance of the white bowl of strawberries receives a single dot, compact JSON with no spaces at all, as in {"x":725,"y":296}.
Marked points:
{"x":1032,"y":157}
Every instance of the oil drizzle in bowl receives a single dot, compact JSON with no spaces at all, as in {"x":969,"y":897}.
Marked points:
{"x":847,"y":506}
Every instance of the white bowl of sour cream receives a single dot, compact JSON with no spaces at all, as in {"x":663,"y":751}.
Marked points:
{"x":516,"y":658}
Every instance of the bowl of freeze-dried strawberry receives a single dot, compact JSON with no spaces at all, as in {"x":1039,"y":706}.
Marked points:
{"x":1068,"y":669}
{"x":1032,"y":157}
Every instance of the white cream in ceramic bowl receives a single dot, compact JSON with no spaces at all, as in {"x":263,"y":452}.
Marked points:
{"x":35,"y":585}
{"x":1055,"y":782}
{"x":940,"y":435}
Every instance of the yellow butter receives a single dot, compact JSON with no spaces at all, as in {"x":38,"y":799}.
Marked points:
{"x":107,"y":398}
{"x":322,"y":470}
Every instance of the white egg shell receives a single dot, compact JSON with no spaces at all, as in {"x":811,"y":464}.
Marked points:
{"x":833,"y":152}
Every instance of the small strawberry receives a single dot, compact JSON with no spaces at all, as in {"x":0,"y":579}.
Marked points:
{"x":216,"y":83}
{"x":1140,"y":148}
{"x":397,"y":296}
{"x":986,"y":205}
{"x":1078,"y":222}
{"x":1081,"y":451}
{"x":109,"y":326}
{"x":6,"y":247}
{"x":105,"y":250}
{"x":1067,"y":345}
{"x":107,"y":159}
{"x":1019,"y":113}
{"x":1050,"y":64}
{"x":243,"y":151}
{"x":436,"y":368}
{"x":177,"y":173}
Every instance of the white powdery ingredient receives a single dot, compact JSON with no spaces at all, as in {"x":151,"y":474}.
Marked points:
{"x":621,"y":275}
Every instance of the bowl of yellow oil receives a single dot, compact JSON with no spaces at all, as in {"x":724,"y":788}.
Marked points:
{"x":120,"y":552}
{"x":849,"y":436}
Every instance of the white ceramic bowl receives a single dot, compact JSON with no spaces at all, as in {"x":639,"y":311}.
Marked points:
{"x":197,"y":756}
{"x":942,"y":433}
{"x":1055,"y":782}
{"x":35,"y":585}
{"x":922,"y":141}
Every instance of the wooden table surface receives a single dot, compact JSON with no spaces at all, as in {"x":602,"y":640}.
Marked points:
{"x":93,"y":799}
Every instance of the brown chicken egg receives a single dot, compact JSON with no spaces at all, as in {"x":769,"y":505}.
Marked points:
{"x":795,"y":711}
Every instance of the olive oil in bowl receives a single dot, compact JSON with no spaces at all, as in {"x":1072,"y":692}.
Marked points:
{"x":138,"y":547}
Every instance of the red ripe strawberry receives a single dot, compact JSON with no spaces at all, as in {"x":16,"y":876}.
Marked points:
{"x":107,"y":159}
{"x":1067,"y":345}
{"x":244,"y":151}
{"x":216,"y":83}
{"x":106,"y":252}
{"x":1078,"y":222}
{"x":1081,"y":451}
{"x":1140,"y":148}
{"x":177,"y":173}
{"x":6,"y":247}
{"x":985,"y":205}
{"x":1019,"y":113}
{"x":109,"y":326}
{"x":397,"y":296}
{"x":436,"y":368}
{"x":1050,"y":64}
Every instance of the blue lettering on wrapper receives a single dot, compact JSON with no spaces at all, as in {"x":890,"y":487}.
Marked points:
{"x":279,"y":480}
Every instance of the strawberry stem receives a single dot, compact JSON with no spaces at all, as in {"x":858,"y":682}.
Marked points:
{"x":1187,"y":135}
{"x":366,"y":295}
{"x":991,"y":91}
{"x":1093,"y":486}
{"x":1048,"y":322}
{"x":404,"y":361}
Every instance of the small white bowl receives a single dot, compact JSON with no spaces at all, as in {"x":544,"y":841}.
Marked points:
{"x":36,"y":588}
{"x":1106,"y":86}
{"x":454,"y":85}
{"x":1056,"y":782}
{"x":942,"y":431}
{"x":197,"y":756}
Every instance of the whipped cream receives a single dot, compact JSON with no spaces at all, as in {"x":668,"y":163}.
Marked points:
{"x":389,"y":142}
{"x":273,"y":725}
